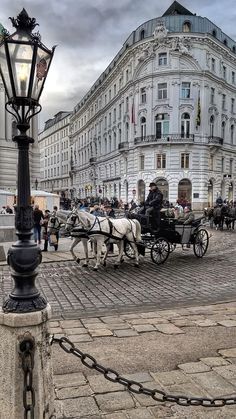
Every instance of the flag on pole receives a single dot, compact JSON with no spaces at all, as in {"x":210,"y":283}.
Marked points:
{"x":198,"y":118}
{"x":133,"y":113}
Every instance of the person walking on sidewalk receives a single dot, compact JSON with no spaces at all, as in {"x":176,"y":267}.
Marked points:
{"x":38,"y":220}
{"x":56,"y":234}
{"x":45,"y":230}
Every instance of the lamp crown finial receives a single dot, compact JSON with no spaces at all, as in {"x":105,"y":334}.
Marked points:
{"x":24,"y":22}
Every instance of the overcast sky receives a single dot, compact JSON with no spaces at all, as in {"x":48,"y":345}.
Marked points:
{"x":89,"y":33}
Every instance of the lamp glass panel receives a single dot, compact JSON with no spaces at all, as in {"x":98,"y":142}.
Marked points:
{"x":21,"y":62}
{"x":40,"y":72}
{"x":4,"y":71}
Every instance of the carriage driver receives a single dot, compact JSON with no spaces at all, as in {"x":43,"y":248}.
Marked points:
{"x":153,"y":204}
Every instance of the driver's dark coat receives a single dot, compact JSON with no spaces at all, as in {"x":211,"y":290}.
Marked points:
{"x":154,"y":199}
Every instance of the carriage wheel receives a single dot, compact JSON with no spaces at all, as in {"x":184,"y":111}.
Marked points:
{"x":160,"y":250}
{"x":129,"y":252}
{"x":201,"y":242}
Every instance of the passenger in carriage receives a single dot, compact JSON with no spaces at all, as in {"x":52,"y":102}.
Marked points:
{"x":187,"y":217}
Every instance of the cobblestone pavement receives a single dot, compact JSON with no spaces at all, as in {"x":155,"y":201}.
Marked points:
{"x":183,"y":280}
{"x":82,"y":393}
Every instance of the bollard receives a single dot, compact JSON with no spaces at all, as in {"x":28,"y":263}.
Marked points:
{"x":18,"y":392}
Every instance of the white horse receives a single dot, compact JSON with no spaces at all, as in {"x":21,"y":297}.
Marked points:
{"x":104,"y":229}
{"x":78,"y":234}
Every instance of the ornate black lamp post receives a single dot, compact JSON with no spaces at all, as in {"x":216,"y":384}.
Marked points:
{"x":36,"y":184}
{"x":24,"y":65}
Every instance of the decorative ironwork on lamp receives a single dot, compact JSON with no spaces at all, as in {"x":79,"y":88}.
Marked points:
{"x":24,"y":65}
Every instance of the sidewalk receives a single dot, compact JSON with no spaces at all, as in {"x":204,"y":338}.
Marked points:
{"x":172,"y":351}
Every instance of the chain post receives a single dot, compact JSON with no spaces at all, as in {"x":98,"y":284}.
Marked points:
{"x":138,"y":388}
{"x":27,"y":349}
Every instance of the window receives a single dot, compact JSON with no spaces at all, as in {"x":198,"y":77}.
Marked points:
{"x":232,"y":104}
{"x":213,"y":64}
{"x":214,"y":33}
{"x":224,"y":72}
{"x":232,"y":134}
{"x":127,"y":104}
{"x":184,"y":161}
{"x":161,"y":161}
{"x":126,"y":131}
{"x":114,"y":89}
{"x":162,"y":91}
{"x":141,"y":162}
{"x":223,"y":101}
{"x":162,"y":58}
{"x":185,"y":90}
{"x":143,"y":94}
{"x":212,"y":99}
{"x":212,"y":122}
{"x":109,"y":94}
{"x":223,"y":130}
{"x":109,"y":120}
{"x":185,"y":125}
{"x":142,"y":33}
{"x":225,"y":42}
{"x":114,"y":115}
{"x":143,"y":127}
{"x":105,"y":99}
{"x":119,"y":111}
{"x":233,"y":77}
{"x":127,"y":75}
{"x":187,"y":27}
{"x":162,"y":125}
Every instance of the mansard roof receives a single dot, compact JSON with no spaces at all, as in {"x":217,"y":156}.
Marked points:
{"x":177,"y":9}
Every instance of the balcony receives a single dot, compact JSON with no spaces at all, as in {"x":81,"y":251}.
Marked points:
{"x":165,"y":139}
{"x":216,"y":141}
{"x":123,"y":146}
{"x":92,"y":160}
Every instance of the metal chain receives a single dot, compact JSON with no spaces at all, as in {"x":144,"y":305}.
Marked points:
{"x":27,"y":355}
{"x":136,"y":387}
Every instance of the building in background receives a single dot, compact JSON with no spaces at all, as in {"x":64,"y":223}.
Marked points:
{"x":164,"y":110}
{"x":55,"y":157}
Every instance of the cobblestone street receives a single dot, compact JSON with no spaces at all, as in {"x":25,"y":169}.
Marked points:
{"x":183,"y":280}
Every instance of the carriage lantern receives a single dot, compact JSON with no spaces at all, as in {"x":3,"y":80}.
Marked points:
{"x":24,"y":65}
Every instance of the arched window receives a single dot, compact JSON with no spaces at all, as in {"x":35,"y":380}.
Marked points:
{"x":185,"y":125}
{"x":162,"y":124}
{"x":212,"y":123}
{"x":114,"y":141}
{"x":214,"y":33}
{"x":143,"y":127}
{"x":142,"y":34}
{"x":187,"y":27}
{"x":105,"y":145}
{"x":232,"y":134}
{"x":109,"y":144}
{"x":223,"y":130}
{"x":225,"y":42}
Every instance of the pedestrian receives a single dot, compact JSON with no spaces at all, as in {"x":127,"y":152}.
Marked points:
{"x":97,"y":211}
{"x":9,"y":210}
{"x":3,"y":210}
{"x":45,"y":230}
{"x":56,"y":234}
{"x":38,"y":218}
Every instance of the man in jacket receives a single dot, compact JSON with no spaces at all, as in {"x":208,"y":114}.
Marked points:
{"x":187,"y":218}
{"x":38,"y":219}
{"x":153,"y":205}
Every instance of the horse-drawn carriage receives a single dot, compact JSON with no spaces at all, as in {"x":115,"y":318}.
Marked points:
{"x":162,"y":241}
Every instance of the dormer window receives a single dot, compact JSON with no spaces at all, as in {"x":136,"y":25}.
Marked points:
{"x":142,"y":34}
{"x":225,"y":42}
{"x":187,"y":27}
{"x":234,"y":48}
{"x":214,"y":33}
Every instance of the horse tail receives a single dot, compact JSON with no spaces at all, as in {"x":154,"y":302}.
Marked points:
{"x":138,"y":236}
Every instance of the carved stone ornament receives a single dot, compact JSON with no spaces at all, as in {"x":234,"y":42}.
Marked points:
{"x":160,"y":30}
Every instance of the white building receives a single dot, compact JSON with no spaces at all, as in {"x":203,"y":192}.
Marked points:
{"x":55,"y":156}
{"x":163,"y":110}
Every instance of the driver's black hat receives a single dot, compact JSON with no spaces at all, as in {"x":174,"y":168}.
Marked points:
{"x":152,"y":184}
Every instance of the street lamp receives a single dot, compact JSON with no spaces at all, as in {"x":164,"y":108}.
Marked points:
{"x":24,"y":65}
{"x":36,"y":184}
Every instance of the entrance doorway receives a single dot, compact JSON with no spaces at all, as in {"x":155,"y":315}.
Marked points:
{"x":185,"y":191}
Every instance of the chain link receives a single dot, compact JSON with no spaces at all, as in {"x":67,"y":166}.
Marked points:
{"x":27,"y":356}
{"x":136,"y":387}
